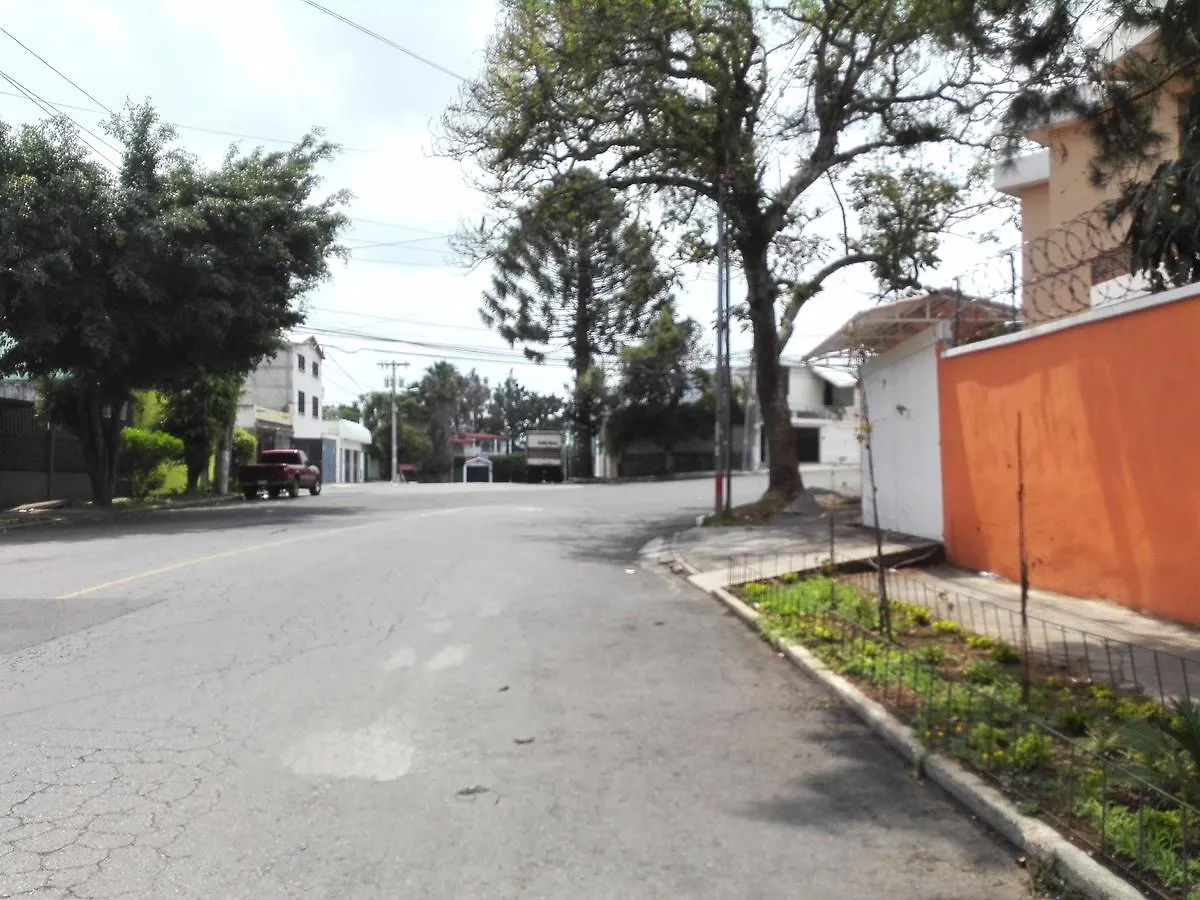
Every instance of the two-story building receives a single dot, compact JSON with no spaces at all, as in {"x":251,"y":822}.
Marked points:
{"x":1072,"y":258}
{"x":823,"y":410}
{"x":281,"y":399}
{"x":473,"y":444}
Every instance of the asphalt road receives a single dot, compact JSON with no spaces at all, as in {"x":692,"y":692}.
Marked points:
{"x":432,"y":691}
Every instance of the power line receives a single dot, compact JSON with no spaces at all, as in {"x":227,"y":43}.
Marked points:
{"x":57,"y":72}
{"x":405,"y":320}
{"x":400,"y":262}
{"x":428,"y":345}
{"x":435,"y":351}
{"x":380,"y":37}
{"x":54,"y":112}
{"x":234,"y":134}
{"x":404,"y":242}
{"x":411,"y":228}
{"x":353,"y":380}
{"x":449,"y":357}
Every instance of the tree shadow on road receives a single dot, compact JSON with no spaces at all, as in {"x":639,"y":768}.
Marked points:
{"x":862,"y":790}
{"x":194,"y":520}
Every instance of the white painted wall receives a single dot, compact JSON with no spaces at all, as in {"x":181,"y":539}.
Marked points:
{"x":806,"y":391}
{"x":902,"y":400}
{"x":277,"y":383}
{"x":839,"y":442}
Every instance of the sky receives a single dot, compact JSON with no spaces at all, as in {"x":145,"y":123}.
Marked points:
{"x":270,"y":70}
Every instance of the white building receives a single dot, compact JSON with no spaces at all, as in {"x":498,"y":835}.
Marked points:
{"x":344,"y":456}
{"x":899,"y":345}
{"x":473,"y":443}
{"x":281,"y":400}
{"x":823,"y":404}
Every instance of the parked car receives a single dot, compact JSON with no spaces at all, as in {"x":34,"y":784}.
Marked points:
{"x":277,"y":471}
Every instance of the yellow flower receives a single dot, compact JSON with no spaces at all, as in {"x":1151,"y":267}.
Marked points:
{"x":941,"y":734}
{"x":984,"y":757}
{"x":999,"y":753}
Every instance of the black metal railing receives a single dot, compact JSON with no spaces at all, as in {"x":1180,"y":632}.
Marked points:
{"x":1149,"y":835}
{"x":1122,"y":664}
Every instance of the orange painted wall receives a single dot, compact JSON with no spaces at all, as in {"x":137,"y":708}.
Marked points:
{"x":1110,"y":416}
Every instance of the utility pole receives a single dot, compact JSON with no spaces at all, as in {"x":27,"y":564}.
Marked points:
{"x":393,"y":382}
{"x":728,"y":405}
{"x":748,"y":434}
{"x":719,"y":442}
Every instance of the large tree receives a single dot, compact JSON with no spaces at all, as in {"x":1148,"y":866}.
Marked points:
{"x":441,"y":392}
{"x":769,"y":111}
{"x":163,"y":275}
{"x":412,"y":440}
{"x":574,"y":270}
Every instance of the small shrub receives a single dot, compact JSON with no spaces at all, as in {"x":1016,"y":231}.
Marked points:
{"x":932,"y":654}
{"x":789,"y":577}
{"x":980,"y":642}
{"x":1032,"y":750}
{"x":1005,"y":654}
{"x":1102,"y":695}
{"x":1129,"y":710}
{"x":983,"y":671}
{"x":147,"y":452}
{"x":947,"y":626}
{"x":245,"y":448}
{"x":987,"y":737}
{"x":755,"y":591}
{"x":1075,"y":720}
{"x":912,"y":614}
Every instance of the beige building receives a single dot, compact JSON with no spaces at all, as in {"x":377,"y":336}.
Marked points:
{"x":1072,"y":258}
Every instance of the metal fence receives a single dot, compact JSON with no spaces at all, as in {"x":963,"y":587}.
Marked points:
{"x":1161,"y":674}
{"x":1149,"y":835}
{"x":1081,"y":264}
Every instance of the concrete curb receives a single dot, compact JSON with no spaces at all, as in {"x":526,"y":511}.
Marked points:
{"x":21,"y":521}
{"x":1035,"y":838}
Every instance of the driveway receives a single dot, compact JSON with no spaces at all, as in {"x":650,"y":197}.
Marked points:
{"x":432,"y":691}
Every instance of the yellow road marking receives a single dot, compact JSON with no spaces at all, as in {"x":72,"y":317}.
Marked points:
{"x":239,"y":551}
{"x":200,"y":560}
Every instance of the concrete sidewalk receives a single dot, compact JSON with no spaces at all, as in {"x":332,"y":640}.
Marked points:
{"x":1117,"y":644}
{"x":794,"y":541}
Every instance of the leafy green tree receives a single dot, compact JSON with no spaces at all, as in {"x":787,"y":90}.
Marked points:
{"x":245,"y":447}
{"x":764,"y":110}
{"x":515,"y":410}
{"x":655,"y":378}
{"x":162,"y":276}
{"x":574,"y":269}
{"x":147,"y":452}
{"x":412,"y":442}
{"x":200,"y":415}
{"x":351,"y":412}
{"x":473,"y":403}
{"x":441,"y":392}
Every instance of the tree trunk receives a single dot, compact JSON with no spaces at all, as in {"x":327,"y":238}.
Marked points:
{"x":581,"y":349}
{"x":784,"y":468}
{"x":99,"y":436}
{"x":224,"y":463}
{"x":195,"y":457}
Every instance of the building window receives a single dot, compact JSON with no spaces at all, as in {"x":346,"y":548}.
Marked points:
{"x":300,"y":361}
{"x":315,"y":371}
{"x":300,"y":404}
{"x":316,"y":408}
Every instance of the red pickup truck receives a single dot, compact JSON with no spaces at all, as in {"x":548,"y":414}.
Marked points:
{"x":277,"y":471}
